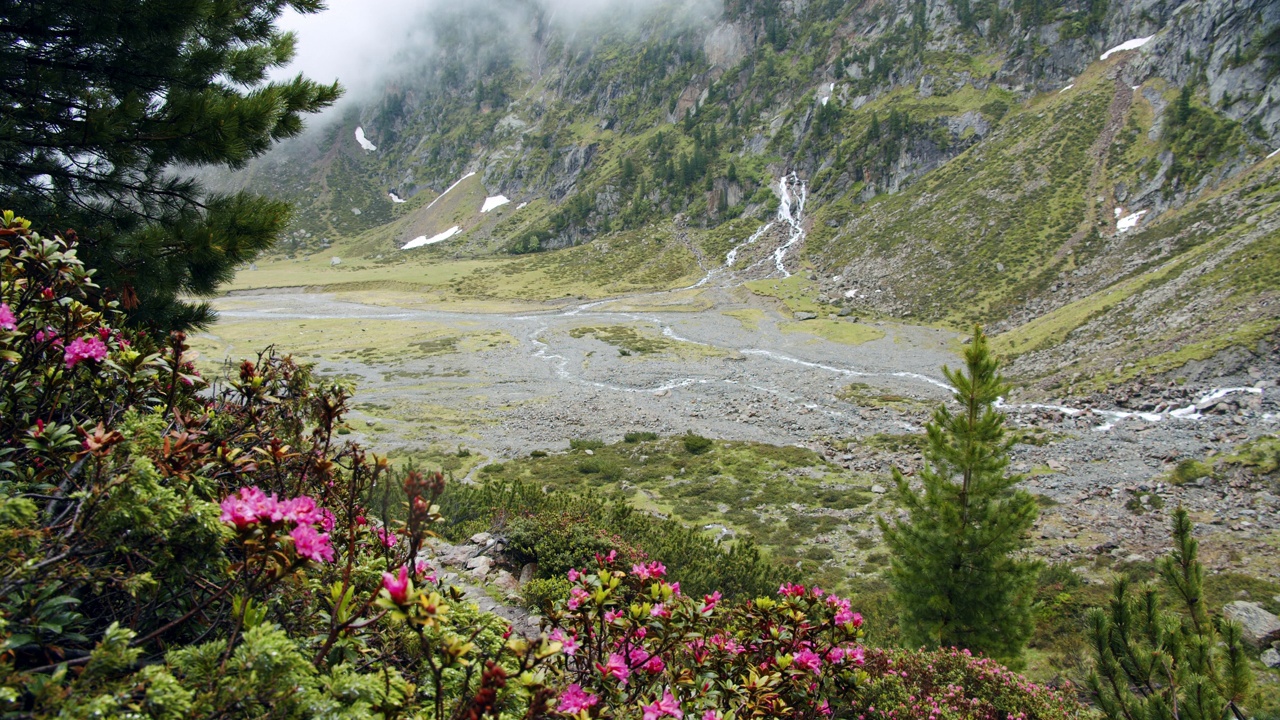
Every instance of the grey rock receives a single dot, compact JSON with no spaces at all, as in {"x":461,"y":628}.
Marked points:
{"x":806,"y":316}
{"x":507,"y":582}
{"x":480,"y":566}
{"x":878,"y":489}
{"x":481,"y":538}
{"x":528,"y":572}
{"x":1259,"y":626}
{"x":1271,"y":658}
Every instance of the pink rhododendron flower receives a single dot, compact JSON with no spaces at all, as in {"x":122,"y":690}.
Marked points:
{"x":311,"y":544}
{"x":574,"y":700}
{"x":568,"y":642}
{"x":397,"y":587}
{"x":577,"y":596}
{"x":617,"y":667}
{"x":646,"y":572}
{"x":385,"y":536}
{"x":423,"y":567}
{"x":807,"y":660}
{"x":84,"y":349}
{"x":246,"y":508}
{"x":667,"y":705}
{"x":711,"y":715}
{"x":611,"y":616}
{"x":789,"y":590}
{"x":709,"y":601}
{"x":660,"y":610}
{"x":49,"y":334}
{"x":7,"y":320}
{"x":574,"y":575}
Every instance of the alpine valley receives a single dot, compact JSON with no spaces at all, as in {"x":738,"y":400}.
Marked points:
{"x":550,"y":242}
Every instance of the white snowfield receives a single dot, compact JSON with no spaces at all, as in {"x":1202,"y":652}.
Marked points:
{"x":1127,"y":45}
{"x":395,"y":198}
{"x":1129,"y":222}
{"x":1274,"y":153}
{"x":424,"y":240}
{"x":494,"y":202}
{"x":1066,"y":88}
{"x":364,"y":141}
{"x":446,"y":192}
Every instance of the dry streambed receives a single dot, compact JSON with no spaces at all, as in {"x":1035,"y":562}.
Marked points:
{"x":727,"y":366}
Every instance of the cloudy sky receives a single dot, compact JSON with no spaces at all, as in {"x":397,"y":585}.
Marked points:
{"x":358,"y":41}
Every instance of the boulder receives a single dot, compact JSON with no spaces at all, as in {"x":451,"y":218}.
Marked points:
{"x":1259,"y":627}
{"x":527,"y":573}
{"x":507,"y":583}
{"x":806,"y":316}
{"x":1271,"y":658}
{"x":481,"y":538}
{"x":480,"y":566}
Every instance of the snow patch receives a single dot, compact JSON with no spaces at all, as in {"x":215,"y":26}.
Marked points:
{"x":491,"y":203}
{"x":395,"y":198}
{"x":522,"y":206}
{"x":446,"y":192}
{"x":1066,"y":88}
{"x":1119,"y":212}
{"x":1127,"y":45}
{"x":424,"y":240}
{"x":1274,"y":153}
{"x":364,"y":141}
{"x":1129,"y":222}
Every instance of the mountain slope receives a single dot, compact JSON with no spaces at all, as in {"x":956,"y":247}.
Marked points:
{"x":965,"y":161}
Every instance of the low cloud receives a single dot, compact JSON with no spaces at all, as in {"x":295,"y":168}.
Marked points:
{"x":363,"y":44}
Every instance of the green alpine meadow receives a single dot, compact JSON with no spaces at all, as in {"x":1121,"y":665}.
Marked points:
{"x":640,"y":359}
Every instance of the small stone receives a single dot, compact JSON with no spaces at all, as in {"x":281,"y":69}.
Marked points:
{"x":1056,"y":466}
{"x":878,"y":489}
{"x":481,"y":538}
{"x":1271,"y":658}
{"x":806,"y":316}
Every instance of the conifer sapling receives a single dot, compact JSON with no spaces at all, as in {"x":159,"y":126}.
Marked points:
{"x":957,"y":573}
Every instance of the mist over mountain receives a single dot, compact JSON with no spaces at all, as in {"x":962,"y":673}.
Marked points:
{"x":1076,"y":175}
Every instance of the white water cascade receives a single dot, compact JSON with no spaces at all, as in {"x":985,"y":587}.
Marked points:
{"x":790,"y":213}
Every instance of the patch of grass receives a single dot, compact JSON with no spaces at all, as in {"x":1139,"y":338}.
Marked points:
{"x":1188,"y":471}
{"x":641,"y":341}
{"x":840,"y":331}
{"x":749,"y":317}
{"x":1261,"y":455}
{"x":636,"y":437}
{"x":798,"y":293}
{"x":866,"y":395}
{"x":895,"y":442}
{"x":585,"y":444}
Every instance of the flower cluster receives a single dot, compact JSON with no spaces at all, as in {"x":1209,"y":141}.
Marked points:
{"x":253,"y":509}
{"x":633,"y":644}
{"x":80,"y":349}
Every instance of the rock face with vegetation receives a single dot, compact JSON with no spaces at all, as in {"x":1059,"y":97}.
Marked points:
{"x":964,"y":160}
